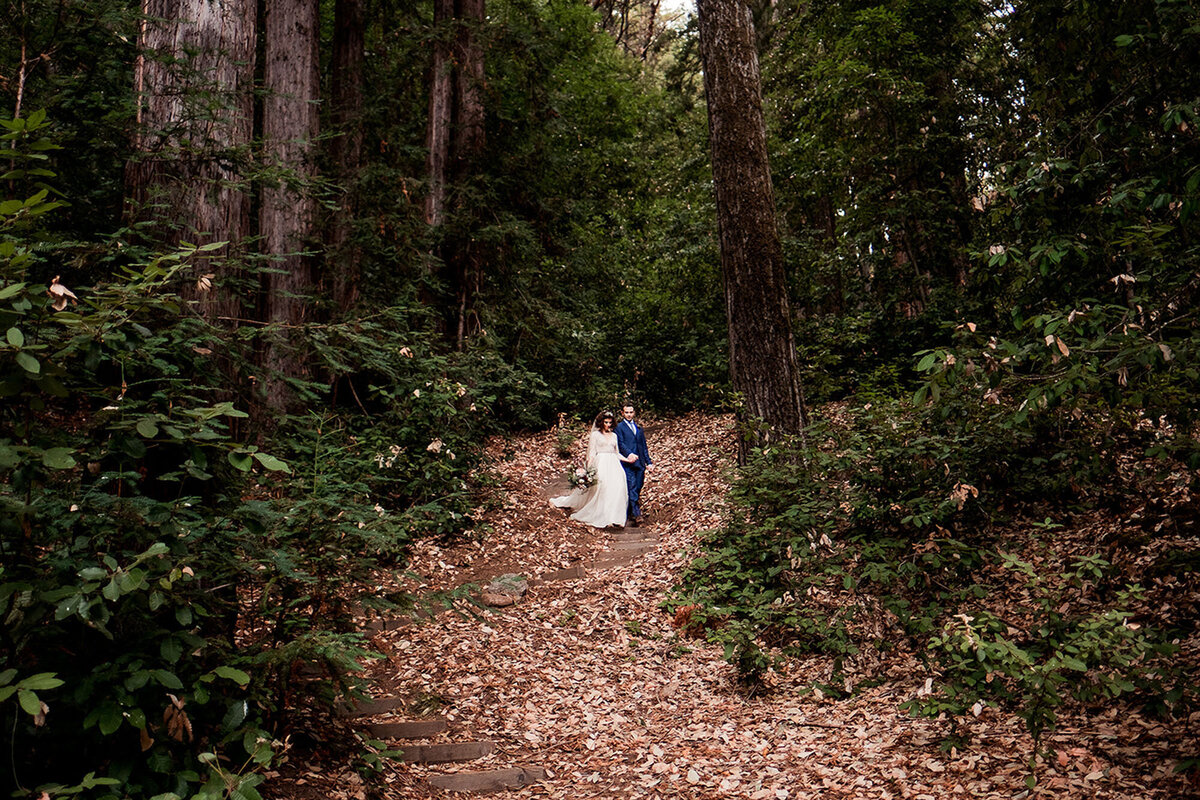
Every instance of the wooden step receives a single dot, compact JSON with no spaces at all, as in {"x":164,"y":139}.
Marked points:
{"x":612,"y":559}
{"x":369,"y":707}
{"x":441,"y":753}
{"x":408,"y":729}
{"x":495,"y":780}
{"x":634,"y":536}
{"x":635,"y":546}
{"x":569,"y":574}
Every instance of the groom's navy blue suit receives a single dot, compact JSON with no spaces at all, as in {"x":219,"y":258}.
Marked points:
{"x":632,"y":439}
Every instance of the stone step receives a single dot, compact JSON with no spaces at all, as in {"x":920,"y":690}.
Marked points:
{"x":496,"y":780}
{"x":441,"y":753}
{"x":408,"y":729}
{"x":369,"y":707}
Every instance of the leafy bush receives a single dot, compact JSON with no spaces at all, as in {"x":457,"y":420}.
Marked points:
{"x":163,"y":579}
{"x":882,"y":530}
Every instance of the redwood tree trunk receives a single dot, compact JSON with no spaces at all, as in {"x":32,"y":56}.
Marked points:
{"x":346,"y":147}
{"x":288,"y":208}
{"x":194,"y":78}
{"x":455,"y":139}
{"x":437,"y":126}
{"x":465,"y":259}
{"x":762,"y":352}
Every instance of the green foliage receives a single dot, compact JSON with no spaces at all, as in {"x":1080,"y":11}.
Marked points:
{"x":882,"y":530}
{"x":163,"y":579}
{"x":1087,"y":657}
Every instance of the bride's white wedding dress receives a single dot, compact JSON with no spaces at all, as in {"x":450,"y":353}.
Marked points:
{"x":603,"y":503}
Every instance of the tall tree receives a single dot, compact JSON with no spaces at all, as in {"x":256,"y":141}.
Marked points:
{"x":455,"y":140}
{"x":288,"y":210}
{"x":346,"y":88}
{"x":194,"y":76}
{"x":762,"y":352}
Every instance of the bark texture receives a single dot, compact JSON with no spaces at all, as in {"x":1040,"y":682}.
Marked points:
{"x":343,"y":257}
{"x":455,"y":140}
{"x":288,"y":209}
{"x":762,"y":352}
{"x":437,"y":126}
{"x":194,"y":127}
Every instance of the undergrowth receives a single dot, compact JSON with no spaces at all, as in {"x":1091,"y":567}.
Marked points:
{"x":894,"y":529}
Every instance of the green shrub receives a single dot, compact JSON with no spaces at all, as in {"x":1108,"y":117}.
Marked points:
{"x":163,"y":579}
{"x":884,"y":529}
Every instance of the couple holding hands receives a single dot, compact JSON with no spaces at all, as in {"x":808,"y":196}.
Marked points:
{"x":617,"y":452}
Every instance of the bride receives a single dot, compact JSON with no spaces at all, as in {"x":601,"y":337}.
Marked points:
{"x":604,"y":502}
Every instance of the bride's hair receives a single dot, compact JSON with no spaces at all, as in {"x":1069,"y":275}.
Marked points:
{"x":598,"y":424}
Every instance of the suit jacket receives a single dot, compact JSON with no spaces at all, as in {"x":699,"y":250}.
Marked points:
{"x":628,"y":442}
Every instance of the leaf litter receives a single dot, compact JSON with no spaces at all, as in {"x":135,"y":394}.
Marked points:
{"x":589,"y":679}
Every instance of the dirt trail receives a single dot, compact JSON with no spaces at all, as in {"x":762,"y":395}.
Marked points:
{"x":587,"y":680}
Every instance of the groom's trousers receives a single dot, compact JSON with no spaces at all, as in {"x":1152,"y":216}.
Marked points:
{"x":634,"y":478}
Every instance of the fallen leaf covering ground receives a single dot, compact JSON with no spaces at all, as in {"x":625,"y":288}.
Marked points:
{"x":588,"y":679}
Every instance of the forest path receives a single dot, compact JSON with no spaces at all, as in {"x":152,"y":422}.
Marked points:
{"x":588,"y":680}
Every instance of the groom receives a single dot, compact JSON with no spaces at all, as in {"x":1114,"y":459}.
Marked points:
{"x":631,"y":439}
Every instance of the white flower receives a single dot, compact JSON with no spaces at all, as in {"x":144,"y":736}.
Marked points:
{"x":435,"y":446}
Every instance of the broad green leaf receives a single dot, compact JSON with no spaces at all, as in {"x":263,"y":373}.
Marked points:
{"x":167,"y":679}
{"x":147,"y":428}
{"x":7,"y":675}
{"x":233,"y":674}
{"x":28,"y":363}
{"x":10,"y":290}
{"x":236,"y":715}
{"x":171,"y":649}
{"x":272,"y":463}
{"x":40,"y":682}
{"x":29,"y":702}
{"x":241,"y":461}
{"x":15,"y":337}
{"x":58,"y":458}
{"x":110,"y":719}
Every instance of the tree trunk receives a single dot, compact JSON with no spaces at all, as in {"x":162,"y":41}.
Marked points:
{"x":288,"y":209}
{"x":469,"y":139}
{"x":194,"y":79}
{"x":437,"y":130}
{"x":455,"y":139}
{"x":762,"y":352}
{"x":343,"y":256}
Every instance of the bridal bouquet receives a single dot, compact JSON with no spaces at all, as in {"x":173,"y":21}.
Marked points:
{"x":581,"y":477}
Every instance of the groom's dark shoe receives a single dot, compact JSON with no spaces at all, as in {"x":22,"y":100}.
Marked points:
{"x":635,"y":522}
